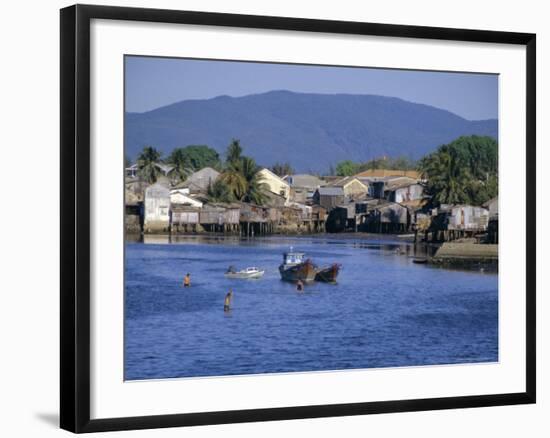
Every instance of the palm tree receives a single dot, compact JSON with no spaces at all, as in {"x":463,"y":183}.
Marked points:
{"x":181,"y":169}
{"x":282,"y":169}
{"x":235,"y":182}
{"x":147,"y":164}
{"x":219,"y":192}
{"x":234,"y":152}
{"x":256,"y":189}
{"x":447,"y":177}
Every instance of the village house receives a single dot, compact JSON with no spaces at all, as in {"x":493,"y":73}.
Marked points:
{"x":397,"y":189}
{"x":492,"y":228}
{"x":492,"y":206}
{"x":450,"y":222}
{"x":184,"y":218}
{"x":182,"y":197}
{"x":257,"y":219}
{"x":275,"y":183}
{"x":303,"y":187}
{"x":340,"y":192}
{"x":371,"y":215}
{"x":156,"y":215}
{"x":199,"y":181}
{"x":329,"y":197}
{"x":388,"y":217}
{"x":220,"y":217}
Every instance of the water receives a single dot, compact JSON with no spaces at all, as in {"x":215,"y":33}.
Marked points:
{"x":385,"y":310}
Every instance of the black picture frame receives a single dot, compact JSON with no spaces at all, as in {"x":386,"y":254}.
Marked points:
{"x":75,"y":217}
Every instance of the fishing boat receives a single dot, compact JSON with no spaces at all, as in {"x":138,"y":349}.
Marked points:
{"x":328,"y":274}
{"x":251,"y":272}
{"x":295,"y":267}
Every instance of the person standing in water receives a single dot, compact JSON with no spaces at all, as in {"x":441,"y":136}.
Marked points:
{"x":300,"y":286}
{"x":227,"y":301}
{"x":187,"y":280}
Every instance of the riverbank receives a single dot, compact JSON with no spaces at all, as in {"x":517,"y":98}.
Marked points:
{"x":405,"y":238}
{"x":471,"y":255}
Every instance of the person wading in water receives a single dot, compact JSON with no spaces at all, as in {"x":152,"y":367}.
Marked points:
{"x":187,"y":280}
{"x":227,"y":301}
{"x":300,"y":286}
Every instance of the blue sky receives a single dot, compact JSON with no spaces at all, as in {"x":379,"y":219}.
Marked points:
{"x":155,"y":82}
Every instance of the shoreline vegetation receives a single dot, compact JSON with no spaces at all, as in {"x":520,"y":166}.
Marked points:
{"x":449,"y":198}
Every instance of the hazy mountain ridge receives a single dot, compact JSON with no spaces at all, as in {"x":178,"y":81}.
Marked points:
{"x":311,"y":131}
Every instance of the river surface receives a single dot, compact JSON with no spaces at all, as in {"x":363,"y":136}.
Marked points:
{"x":385,"y":311}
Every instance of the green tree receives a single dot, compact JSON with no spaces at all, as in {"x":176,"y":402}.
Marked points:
{"x":235,"y":182}
{"x":234,"y":152}
{"x":346,"y":168}
{"x":195,"y":157}
{"x":282,"y":169}
{"x":241,"y":176}
{"x":256,"y":189}
{"x":147,"y":164}
{"x":464,"y":171}
{"x":188,"y":159}
{"x":219,"y":192}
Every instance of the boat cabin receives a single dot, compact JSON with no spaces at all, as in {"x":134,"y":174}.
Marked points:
{"x":293,"y":258}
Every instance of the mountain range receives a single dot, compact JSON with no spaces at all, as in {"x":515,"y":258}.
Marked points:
{"x":310,"y":131}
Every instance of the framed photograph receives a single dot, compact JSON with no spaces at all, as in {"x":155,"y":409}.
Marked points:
{"x":268,"y":218}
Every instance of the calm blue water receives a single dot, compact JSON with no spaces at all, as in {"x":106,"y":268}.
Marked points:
{"x":385,"y":311}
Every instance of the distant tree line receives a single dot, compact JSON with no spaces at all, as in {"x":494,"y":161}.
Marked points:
{"x":183,"y":160}
{"x":349,"y":167}
{"x":464,"y":171}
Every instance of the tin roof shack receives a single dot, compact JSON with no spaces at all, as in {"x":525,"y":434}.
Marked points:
{"x":257,"y":219}
{"x":298,"y":218}
{"x":492,"y":227}
{"x":468,"y":218}
{"x":341,"y":218}
{"x":219,"y":217}
{"x":397,"y":189}
{"x":388,"y":217}
{"x":185,"y":218}
{"x":275,"y":183}
{"x":303,"y":187}
{"x":157,"y":209}
{"x":329,"y":197}
{"x":199,"y":181}
{"x":450,"y":222}
{"x":340,"y":192}
{"x":405,"y":192}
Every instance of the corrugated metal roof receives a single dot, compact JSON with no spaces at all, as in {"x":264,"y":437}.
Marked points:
{"x":331,"y":191}
{"x":304,"y":180}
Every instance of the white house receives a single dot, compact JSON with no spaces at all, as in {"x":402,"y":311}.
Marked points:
{"x":275,"y":183}
{"x":157,"y":208}
{"x":181,"y":197}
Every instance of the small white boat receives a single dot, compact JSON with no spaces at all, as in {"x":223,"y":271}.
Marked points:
{"x":251,"y":272}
